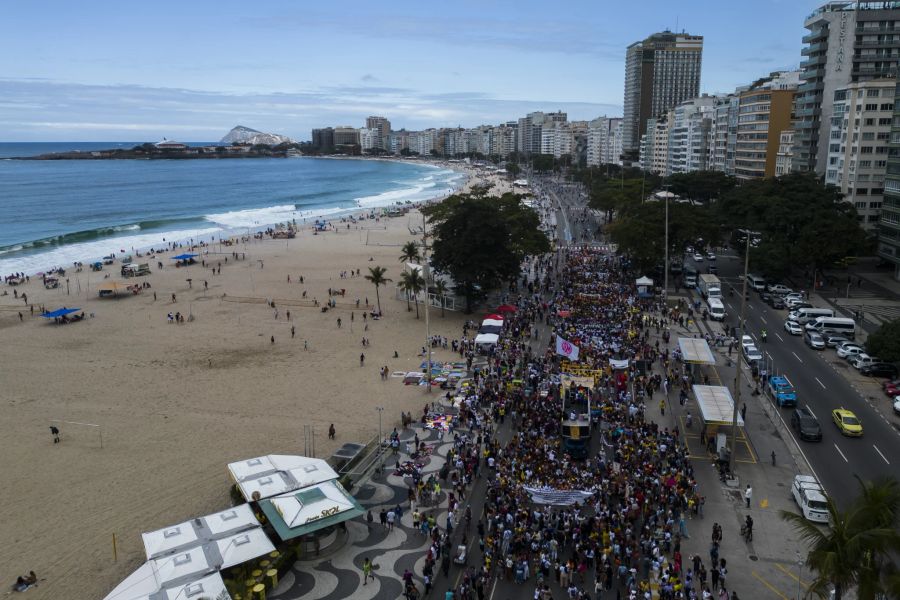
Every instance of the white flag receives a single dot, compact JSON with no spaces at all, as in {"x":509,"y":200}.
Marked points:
{"x":566,"y":348}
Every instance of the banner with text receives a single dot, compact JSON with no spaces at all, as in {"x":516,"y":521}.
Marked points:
{"x":555,"y":497}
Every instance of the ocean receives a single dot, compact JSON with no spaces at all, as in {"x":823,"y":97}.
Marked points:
{"x":53,"y":213}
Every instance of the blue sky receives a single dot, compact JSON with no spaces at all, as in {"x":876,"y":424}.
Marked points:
{"x":125,"y":71}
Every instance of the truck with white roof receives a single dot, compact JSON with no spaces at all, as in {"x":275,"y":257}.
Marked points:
{"x":709,"y":286}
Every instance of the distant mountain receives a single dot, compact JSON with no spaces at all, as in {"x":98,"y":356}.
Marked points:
{"x":245,"y":135}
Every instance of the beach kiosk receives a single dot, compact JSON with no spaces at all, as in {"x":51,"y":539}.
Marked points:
{"x":644,"y":287}
{"x":716,"y":416}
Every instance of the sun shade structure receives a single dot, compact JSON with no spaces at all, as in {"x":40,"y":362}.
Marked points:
{"x":696,"y":351}
{"x":144,"y":584}
{"x":486,"y":339}
{"x":59,"y":312}
{"x":184,"y":257}
{"x":276,"y":474}
{"x":716,"y":405}
{"x":313,"y":508}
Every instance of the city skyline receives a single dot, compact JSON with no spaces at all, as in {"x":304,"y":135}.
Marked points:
{"x":193,"y":71}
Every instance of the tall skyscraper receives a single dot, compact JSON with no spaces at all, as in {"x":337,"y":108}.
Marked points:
{"x":382,"y":128}
{"x":660,"y":72}
{"x":848,"y":42}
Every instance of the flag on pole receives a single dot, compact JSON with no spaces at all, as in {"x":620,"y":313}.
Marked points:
{"x":566,"y":348}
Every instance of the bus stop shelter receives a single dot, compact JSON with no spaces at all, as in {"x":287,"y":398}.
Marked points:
{"x":716,"y":412}
{"x":696,"y":351}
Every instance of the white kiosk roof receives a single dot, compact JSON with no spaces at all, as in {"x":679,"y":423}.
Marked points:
{"x":145,"y":584}
{"x":716,"y":405}
{"x":276,"y":474}
{"x":696,"y":351}
{"x":200,"y":531}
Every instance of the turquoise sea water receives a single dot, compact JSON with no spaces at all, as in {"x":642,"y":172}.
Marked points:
{"x":53,"y":213}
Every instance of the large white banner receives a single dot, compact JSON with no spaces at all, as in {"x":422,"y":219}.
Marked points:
{"x":618,"y":364}
{"x":546,"y":495}
{"x":566,"y":348}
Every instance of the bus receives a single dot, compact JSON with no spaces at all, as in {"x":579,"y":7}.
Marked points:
{"x":841,"y":326}
{"x":805,"y":315}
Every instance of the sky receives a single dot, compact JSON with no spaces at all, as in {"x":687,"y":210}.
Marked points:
{"x":191,"y":70}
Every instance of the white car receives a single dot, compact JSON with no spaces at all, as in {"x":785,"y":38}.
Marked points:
{"x":751,"y":353}
{"x":897,"y":405}
{"x":746,"y":340}
{"x":779,"y":289}
{"x":793,"y":327}
{"x":793,"y":295}
{"x":846,"y":351}
{"x":710,"y":256}
{"x":861,"y":360}
{"x":698,"y":257}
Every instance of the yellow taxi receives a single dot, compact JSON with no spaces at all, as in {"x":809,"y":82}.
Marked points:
{"x":847,"y":422}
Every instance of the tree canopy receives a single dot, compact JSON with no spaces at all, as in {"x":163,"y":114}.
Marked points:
{"x":802,"y":222}
{"x":701,"y":185}
{"x":885,"y":342}
{"x":480,"y":240}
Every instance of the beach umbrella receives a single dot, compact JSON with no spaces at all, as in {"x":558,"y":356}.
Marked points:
{"x":507,"y":308}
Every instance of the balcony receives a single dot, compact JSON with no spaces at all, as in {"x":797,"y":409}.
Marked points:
{"x":878,"y":44}
{"x":876,"y":71}
{"x":812,"y":74}
{"x":812,"y":62}
{"x":807,"y":112}
{"x":810,"y":86}
{"x":812,"y":48}
{"x":819,"y":34}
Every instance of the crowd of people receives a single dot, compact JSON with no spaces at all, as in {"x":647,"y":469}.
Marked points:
{"x":608,"y":526}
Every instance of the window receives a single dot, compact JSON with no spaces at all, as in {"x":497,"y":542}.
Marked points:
{"x":862,"y":191}
{"x":870,"y":107}
{"x":875,"y":205}
{"x":866,"y":136}
{"x":872,"y":93}
{"x":859,"y":205}
{"x":865,"y":150}
{"x":888,"y":106}
{"x":864,"y":164}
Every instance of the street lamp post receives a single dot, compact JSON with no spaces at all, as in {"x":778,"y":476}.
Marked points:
{"x":799,"y":576}
{"x":380,"y":410}
{"x":425,"y":277}
{"x":737,"y":374}
{"x":666,"y":261}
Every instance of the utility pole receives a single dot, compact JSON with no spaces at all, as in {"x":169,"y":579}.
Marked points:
{"x":425,"y":275}
{"x":666,"y":261}
{"x":737,"y":374}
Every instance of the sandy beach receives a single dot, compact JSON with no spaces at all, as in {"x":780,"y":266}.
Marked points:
{"x":176,"y":402}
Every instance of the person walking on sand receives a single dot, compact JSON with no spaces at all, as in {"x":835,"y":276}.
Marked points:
{"x":292,"y":332}
{"x":339,"y":322}
{"x":54,"y":431}
{"x":331,"y":431}
{"x":362,"y":359}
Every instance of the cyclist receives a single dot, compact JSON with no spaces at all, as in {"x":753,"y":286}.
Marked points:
{"x":763,"y":335}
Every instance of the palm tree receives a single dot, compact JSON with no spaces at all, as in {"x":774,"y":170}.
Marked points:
{"x":410,"y":253}
{"x":440,"y":290}
{"x":412,"y":282}
{"x":377,"y":278}
{"x":855,"y":550}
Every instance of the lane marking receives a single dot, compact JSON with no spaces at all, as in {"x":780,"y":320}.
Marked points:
{"x":880,"y":454}
{"x":791,"y":575}
{"x":841,"y":453}
{"x":820,"y":383}
{"x":763,"y":319}
{"x":797,"y":357}
{"x":769,"y":585}
{"x":778,"y":336}
{"x":811,"y":412}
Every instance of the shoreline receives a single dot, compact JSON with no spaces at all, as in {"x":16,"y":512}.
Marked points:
{"x":206,"y":235}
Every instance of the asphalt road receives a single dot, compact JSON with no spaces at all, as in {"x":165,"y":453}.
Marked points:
{"x":818,"y":377}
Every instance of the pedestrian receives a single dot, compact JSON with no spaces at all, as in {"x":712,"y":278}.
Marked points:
{"x":773,"y":458}
{"x":382,"y":516}
{"x":391,"y":517}
{"x":273,"y":339}
{"x":367,"y":570}
{"x":306,"y":344}
{"x":748,"y":493}
{"x":54,"y":431}
{"x":292,"y":332}
{"x":339,"y":322}
{"x":369,"y":520}
{"x":331,"y":431}
{"x":744,"y":412}
{"x":362,"y":359}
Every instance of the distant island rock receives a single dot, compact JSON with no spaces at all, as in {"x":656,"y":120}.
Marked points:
{"x":246,"y":135}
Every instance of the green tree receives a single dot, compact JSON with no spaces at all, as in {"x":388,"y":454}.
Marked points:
{"x":440,"y":290}
{"x":886,"y":342}
{"x":513,"y":169}
{"x":480,"y":240}
{"x":701,"y":185}
{"x":794,"y":215}
{"x":857,"y":549}
{"x":412,"y":282}
{"x":543,"y":163}
{"x":376,"y":277}
{"x":410,"y":253}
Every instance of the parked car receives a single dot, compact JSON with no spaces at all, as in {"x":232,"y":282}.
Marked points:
{"x":792,"y":296}
{"x":832,"y":340}
{"x":710,"y":256}
{"x":810,"y":497}
{"x":847,"y":422}
{"x":713,"y":269}
{"x":861,"y":360}
{"x":897,"y":405}
{"x":777,"y":303}
{"x":698,"y":257}
{"x":847,"y":350}
{"x":778,"y":288}
{"x":814,"y":340}
{"x":891,"y":387}
{"x":879,"y":369}
{"x":752,"y":354}
{"x":793,"y":327}
{"x":806,"y":425}
{"x":794,"y":303}
{"x":746,"y":340}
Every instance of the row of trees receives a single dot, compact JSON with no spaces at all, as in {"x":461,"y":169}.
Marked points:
{"x":792,"y":215}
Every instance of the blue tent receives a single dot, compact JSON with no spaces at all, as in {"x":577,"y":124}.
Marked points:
{"x":59,"y":312}
{"x":184,"y":257}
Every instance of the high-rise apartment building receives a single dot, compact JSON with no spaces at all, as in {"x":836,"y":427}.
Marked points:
{"x":530,"y":128}
{"x":660,"y":72}
{"x":603,"y":144}
{"x":848,"y":42}
{"x":861,"y":119}
{"x":654,"y":151}
{"x":785,"y":153}
{"x":688,"y":146}
{"x":382,"y":129}
{"x":346,"y":136}
{"x":323,"y":139}
{"x":889,"y":223}
{"x":723,"y":130}
{"x":764,"y":111}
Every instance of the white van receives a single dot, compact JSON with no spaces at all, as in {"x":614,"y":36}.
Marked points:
{"x":756,"y":282}
{"x":844,"y":327}
{"x":810,"y":497}
{"x":805,"y":315}
{"x":716,"y":309}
